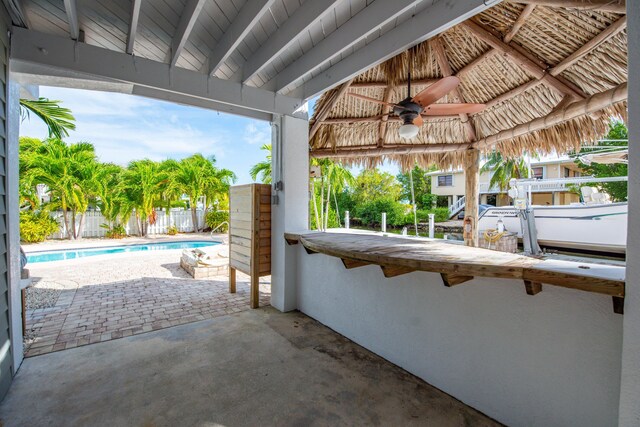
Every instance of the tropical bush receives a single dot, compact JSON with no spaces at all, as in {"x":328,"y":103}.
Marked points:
{"x":172,"y":230}
{"x":370,"y":212}
{"x":36,"y":226}
{"x":441,"y":214}
{"x":115,"y":232}
{"x":216,"y":218}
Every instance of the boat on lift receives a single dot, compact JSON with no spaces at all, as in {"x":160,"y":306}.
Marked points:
{"x":596,"y":224}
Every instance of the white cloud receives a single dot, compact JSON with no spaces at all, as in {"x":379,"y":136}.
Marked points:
{"x":259,"y":133}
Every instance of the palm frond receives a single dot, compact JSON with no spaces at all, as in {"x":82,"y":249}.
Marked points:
{"x":59,"y":120}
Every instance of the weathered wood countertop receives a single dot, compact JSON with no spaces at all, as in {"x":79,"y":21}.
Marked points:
{"x":458,"y":264}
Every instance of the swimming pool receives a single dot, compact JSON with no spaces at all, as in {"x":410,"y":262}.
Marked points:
{"x":62,"y":255}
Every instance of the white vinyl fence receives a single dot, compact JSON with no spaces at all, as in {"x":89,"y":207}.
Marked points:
{"x":180,"y":218}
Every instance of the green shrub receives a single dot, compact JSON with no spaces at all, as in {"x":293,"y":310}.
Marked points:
{"x":370,"y":213}
{"x":172,"y":230}
{"x":217,"y":218}
{"x":441,"y":214}
{"x":115,"y":232}
{"x":35,"y":227}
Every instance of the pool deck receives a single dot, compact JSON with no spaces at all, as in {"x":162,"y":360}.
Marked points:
{"x":106,"y":297}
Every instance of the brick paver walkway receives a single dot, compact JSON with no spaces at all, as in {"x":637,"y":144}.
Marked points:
{"x":122,"y":295}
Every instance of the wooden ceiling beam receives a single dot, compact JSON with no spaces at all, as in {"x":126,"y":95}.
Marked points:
{"x":188,"y":19}
{"x":382,"y":128}
{"x":592,"y":44}
{"x":322,"y":115}
{"x":615,"y":6}
{"x":387,"y":150}
{"x":528,"y":9}
{"x":378,"y":118}
{"x":445,"y":68}
{"x":522,"y":60}
{"x":133,"y":25}
{"x":587,"y":106}
{"x":71,"y":9}
{"x":417,"y":82}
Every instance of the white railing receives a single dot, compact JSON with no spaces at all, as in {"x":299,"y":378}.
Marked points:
{"x":535,"y":187}
{"x":181,"y":219}
{"x":457,"y":206}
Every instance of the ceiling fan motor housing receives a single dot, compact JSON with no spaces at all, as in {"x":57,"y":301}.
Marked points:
{"x":407,"y":110}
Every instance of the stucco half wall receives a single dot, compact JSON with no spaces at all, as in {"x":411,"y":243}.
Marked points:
{"x":552,"y":359}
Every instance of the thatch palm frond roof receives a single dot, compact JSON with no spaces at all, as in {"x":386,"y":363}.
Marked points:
{"x":524,"y":61}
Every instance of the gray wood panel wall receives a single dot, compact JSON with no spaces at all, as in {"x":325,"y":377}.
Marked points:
{"x":6,"y":360}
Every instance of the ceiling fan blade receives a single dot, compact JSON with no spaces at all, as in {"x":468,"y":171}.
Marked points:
{"x":452,"y":109}
{"x":418,"y":121}
{"x":377,"y":101}
{"x":436,"y":91}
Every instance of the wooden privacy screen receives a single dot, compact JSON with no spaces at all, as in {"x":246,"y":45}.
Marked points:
{"x":250,"y":235}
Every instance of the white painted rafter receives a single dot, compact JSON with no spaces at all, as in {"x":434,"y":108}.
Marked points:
{"x":61,"y":54}
{"x":133,"y":25}
{"x":437,"y":18}
{"x":364,"y":23}
{"x":71,"y":8}
{"x":304,"y":17}
{"x":237,"y":31}
{"x":187,"y":20}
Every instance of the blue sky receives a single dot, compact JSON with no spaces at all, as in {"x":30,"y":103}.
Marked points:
{"x":126,"y":127}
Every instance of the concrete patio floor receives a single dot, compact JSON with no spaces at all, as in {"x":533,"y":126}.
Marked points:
{"x":114,"y":296}
{"x":258,"y":367}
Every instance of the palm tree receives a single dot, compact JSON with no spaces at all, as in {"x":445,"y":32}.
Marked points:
{"x":334,"y":178}
{"x":59,"y":120}
{"x":504,"y":169}
{"x":263,"y":168}
{"x":69,"y":173}
{"x":198,"y":178}
{"x":142,"y":183}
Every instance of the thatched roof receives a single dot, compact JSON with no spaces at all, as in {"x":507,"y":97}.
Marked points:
{"x":525,"y":61}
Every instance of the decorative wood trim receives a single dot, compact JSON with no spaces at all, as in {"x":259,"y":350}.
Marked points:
{"x":378,"y":118}
{"x":445,"y":68}
{"x":291,"y":242}
{"x":592,"y":44}
{"x":586,"y":106}
{"x":395,"y":270}
{"x":528,"y":9}
{"x":310,"y":251}
{"x":615,"y":6}
{"x":353,"y":263}
{"x":450,"y":280}
{"x":417,"y":82}
{"x":328,"y":107}
{"x":532,"y":288}
{"x":382,"y":128}
{"x":387,"y":150}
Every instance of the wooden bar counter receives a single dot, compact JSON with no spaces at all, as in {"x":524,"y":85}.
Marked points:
{"x":458,"y":264}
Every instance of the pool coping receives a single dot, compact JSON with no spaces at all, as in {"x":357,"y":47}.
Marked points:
{"x":91,"y":243}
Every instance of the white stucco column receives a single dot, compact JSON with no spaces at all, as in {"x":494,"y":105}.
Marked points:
{"x":629,"y":414}
{"x":290,"y":212}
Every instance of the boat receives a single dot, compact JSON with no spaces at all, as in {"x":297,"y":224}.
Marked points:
{"x":598,"y":227}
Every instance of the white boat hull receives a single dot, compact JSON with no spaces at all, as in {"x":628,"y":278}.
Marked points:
{"x":600,"y":228}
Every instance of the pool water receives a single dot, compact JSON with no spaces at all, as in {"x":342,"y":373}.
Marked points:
{"x":62,"y":255}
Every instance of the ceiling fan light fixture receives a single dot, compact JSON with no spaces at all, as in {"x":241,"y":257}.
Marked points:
{"x":409,"y":131}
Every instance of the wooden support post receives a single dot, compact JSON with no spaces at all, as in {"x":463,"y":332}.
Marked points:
{"x":472,"y":192}
{"x":618,"y":305}
{"x":532,"y":288}
{"x":353,"y":263}
{"x":395,"y":270}
{"x":232,"y":280}
{"x":255,"y":248}
{"x":255,"y":291}
{"x":454,"y":279}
